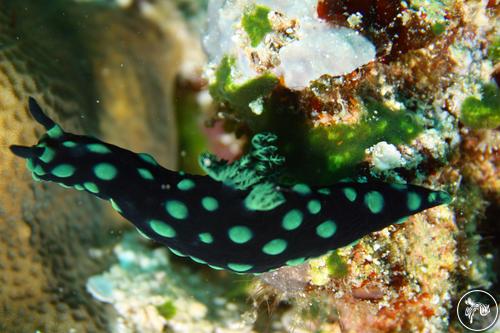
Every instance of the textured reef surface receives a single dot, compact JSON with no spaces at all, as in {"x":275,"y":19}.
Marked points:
{"x":378,"y":91}
{"x":84,"y":76}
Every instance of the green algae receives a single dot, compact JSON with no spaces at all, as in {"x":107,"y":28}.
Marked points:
{"x":167,"y":310}
{"x":256,"y":24}
{"x":337,"y":267}
{"x":239,"y":96}
{"x":482,"y":113}
{"x":435,"y":10}
{"x":494,"y":50}
{"x":344,"y":145}
{"x":438,"y":28}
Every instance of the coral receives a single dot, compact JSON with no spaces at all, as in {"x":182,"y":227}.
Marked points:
{"x":485,"y":112}
{"x":432,"y":59}
{"x":298,"y":47}
{"x":52,"y":240}
{"x":480,"y":161}
{"x":153,"y":293}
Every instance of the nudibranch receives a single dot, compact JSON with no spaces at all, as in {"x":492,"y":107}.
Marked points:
{"x":235,"y":218}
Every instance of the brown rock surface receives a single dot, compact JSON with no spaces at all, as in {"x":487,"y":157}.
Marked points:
{"x":96,"y":70}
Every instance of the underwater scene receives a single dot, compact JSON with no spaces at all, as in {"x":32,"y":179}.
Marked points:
{"x":249,"y":166}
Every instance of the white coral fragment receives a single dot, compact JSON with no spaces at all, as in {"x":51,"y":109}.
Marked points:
{"x":324,"y":50}
{"x":385,"y":157}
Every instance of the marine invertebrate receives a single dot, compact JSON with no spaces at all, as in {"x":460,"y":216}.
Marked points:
{"x":227,"y":221}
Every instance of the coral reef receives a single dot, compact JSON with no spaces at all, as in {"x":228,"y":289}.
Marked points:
{"x":423,"y":110}
{"x":151,"y":293}
{"x":399,"y":91}
{"x":89,"y":78}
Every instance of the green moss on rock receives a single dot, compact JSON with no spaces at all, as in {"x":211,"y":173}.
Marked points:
{"x":239,"y":96}
{"x":494,"y":50}
{"x":482,"y":113}
{"x":344,"y":145}
{"x":336,"y":265}
{"x":167,"y":310}
{"x":256,"y":24}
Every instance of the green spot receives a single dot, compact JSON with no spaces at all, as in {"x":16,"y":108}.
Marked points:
{"x":256,"y":24}
{"x":432,"y":197}
{"x":336,"y":265}
{"x":292,"y":220}
{"x":63,"y":185}
{"x":79,"y":187}
{"x":402,"y":220}
{"x":91,"y":187}
{"x":198,"y":260}
{"x":374,"y":201}
{"x":147,"y":158}
{"x":399,"y":187}
{"x":239,"y":267}
{"x":105,"y":171}
{"x":63,"y":171}
{"x":354,"y":243}
{"x":142,"y":234}
{"x":275,"y":247}
{"x":485,"y":112}
{"x":177,"y":209}
{"x":145,"y":173}
{"x":295,"y":262}
{"x":162,"y":228}
{"x":264,"y":196}
{"x":350,"y":193}
{"x":98,"y":148}
{"x":326,"y":229}
{"x":36,"y":178}
{"x":177,"y":253}
{"x":314,"y":206}
{"x":210,"y":203}
{"x":301,"y":189}
{"x":48,"y":155}
{"x":30,"y":164}
{"x":69,"y":144}
{"x":38,"y":170}
{"x":206,"y":238}
{"x":216,"y":267}
{"x":185,"y":185}
{"x":413,"y":201}
{"x":115,"y":206}
{"x":325,"y":191}
{"x":240,"y":234}
{"x":167,"y":310}
{"x":444,"y":197}
{"x":55,"y":132}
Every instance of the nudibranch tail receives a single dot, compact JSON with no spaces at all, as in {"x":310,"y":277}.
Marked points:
{"x":240,"y":219}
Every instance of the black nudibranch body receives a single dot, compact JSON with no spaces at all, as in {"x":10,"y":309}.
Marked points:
{"x":236,"y":221}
